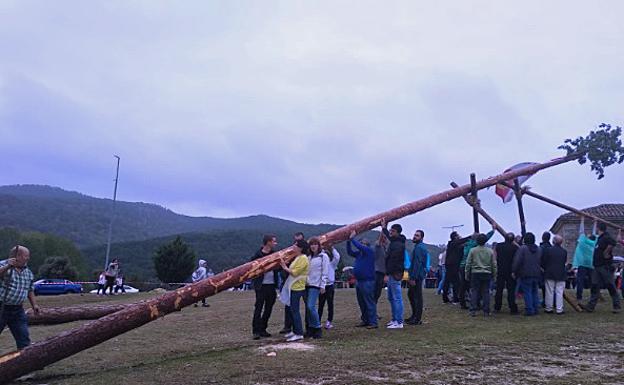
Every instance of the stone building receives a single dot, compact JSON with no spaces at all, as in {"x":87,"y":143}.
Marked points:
{"x":568,"y":224}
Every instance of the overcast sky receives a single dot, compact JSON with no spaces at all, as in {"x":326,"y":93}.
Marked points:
{"x":312,"y":111}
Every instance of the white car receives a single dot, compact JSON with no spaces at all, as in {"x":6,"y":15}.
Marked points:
{"x":128,"y":289}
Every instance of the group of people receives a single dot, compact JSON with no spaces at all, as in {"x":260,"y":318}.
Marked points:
{"x":111,"y":279}
{"x":310,"y":279}
{"x":519,"y":265}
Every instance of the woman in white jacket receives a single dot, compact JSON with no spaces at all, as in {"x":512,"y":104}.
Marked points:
{"x":317,"y":280}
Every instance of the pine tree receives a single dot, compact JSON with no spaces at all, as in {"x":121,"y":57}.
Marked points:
{"x":174,"y":262}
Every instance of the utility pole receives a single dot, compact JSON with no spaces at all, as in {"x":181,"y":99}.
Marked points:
{"x":110,"y":226}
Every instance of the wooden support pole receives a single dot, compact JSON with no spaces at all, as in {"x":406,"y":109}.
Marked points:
{"x":553,"y":202}
{"x":475,"y":198}
{"x":70,"y":342}
{"x":518,"y":194}
{"x":477,"y":208}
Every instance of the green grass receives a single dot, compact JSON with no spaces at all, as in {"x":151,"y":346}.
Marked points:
{"x":213,"y":345}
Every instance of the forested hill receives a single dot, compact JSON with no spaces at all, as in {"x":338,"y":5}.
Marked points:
{"x":84,"y":219}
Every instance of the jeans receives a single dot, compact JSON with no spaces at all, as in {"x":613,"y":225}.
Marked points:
{"x":395,"y":297}
{"x":554,"y":288}
{"x":529,"y":286}
{"x":329,"y":298}
{"x":365,"y":292}
{"x":265,"y":299}
{"x":480,"y":285}
{"x":505,"y":281}
{"x":464,"y":287}
{"x":582,"y":274}
{"x":312,"y":315}
{"x":379,"y":284}
{"x":451,"y":279}
{"x":602,"y":276}
{"x":295,"y":298}
{"x":15,"y":318}
{"x":415,"y":295}
{"x":442,"y":279}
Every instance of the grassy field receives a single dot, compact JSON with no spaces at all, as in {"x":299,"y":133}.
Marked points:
{"x":213,"y":346}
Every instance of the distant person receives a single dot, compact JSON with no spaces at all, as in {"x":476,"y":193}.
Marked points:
{"x":417,"y":273}
{"x":395,"y":260}
{"x":317,"y":281}
{"x":583,"y":260}
{"x":199,"y":275}
{"x":554,"y":264}
{"x":119,"y":284}
{"x":454,"y":255}
{"x":111,"y":275}
{"x":527,"y":270}
{"x":265,"y":287}
{"x":328,"y":296}
{"x":504,"y":281}
{"x":602,"y":275}
{"x":544,"y":246}
{"x":210,"y":273}
{"x":480,"y":267}
{"x":102,"y":284}
{"x":298,"y":236}
{"x":380,"y":266}
{"x":16,"y":286}
{"x":364,"y":270}
{"x":294,"y":287}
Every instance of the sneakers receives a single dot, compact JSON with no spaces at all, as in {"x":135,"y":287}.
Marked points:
{"x":616,"y":310}
{"x":328,"y":325}
{"x":372,"y":327}
{"x":265,"y":334}
{"x":390,"y":323}
{"x":288,"y":335}
{"x":284,"y":331}
{"x":256,"y":336}
{"x":395,"y":325}
{"x":294,"y":338}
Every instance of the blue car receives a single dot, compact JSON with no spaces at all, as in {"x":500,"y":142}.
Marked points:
{"x":56,"y":286}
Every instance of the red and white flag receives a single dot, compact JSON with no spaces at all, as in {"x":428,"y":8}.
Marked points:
{"x":505,"y":192}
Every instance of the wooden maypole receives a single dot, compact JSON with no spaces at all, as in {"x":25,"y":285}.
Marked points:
{"x":68,"y":343}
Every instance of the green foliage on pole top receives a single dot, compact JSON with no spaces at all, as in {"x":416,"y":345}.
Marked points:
{"x":174,"y":261}
{"x":602,"y":148}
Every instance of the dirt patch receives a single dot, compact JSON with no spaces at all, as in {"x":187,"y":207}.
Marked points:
{"x":298,"y":346}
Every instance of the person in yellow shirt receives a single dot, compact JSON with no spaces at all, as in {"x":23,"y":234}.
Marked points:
{"x":294,"y":288}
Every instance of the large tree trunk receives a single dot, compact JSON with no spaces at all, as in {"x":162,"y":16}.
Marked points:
{"x":70,"y":342}
{"x":59,"y":315}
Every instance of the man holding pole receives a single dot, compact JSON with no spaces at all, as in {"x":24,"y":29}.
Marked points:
{"x":17,"y":285}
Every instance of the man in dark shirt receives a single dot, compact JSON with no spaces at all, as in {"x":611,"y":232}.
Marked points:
{"x":504,"y":259}
{"x":454,"y":255}
{"x":265,"y":287}
{"x":603,"y":270}
{"x":395,"y":266}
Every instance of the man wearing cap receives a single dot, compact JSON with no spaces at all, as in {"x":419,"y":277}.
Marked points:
{"x":17,"y":285}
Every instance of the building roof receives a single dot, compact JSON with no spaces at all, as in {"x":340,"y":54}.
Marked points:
{"x":613,"y":212}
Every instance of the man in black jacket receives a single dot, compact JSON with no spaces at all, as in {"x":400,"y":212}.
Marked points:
{"x":553,"y":262}
{"x":454,"y":255}
{"x":602,"y":276}
{"x":504,"y":259}
{"x":265,"y":287}
{"x":395,"y":266}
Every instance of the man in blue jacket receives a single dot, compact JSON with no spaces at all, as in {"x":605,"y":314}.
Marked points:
{"x":417,"y":273}
{"x":364,"y":271}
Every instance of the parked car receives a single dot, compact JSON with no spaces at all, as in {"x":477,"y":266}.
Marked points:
{"x":56,"y":286}
{"x":129,"y":289}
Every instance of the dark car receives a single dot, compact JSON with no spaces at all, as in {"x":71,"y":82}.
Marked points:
{"x":56,"y":286}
